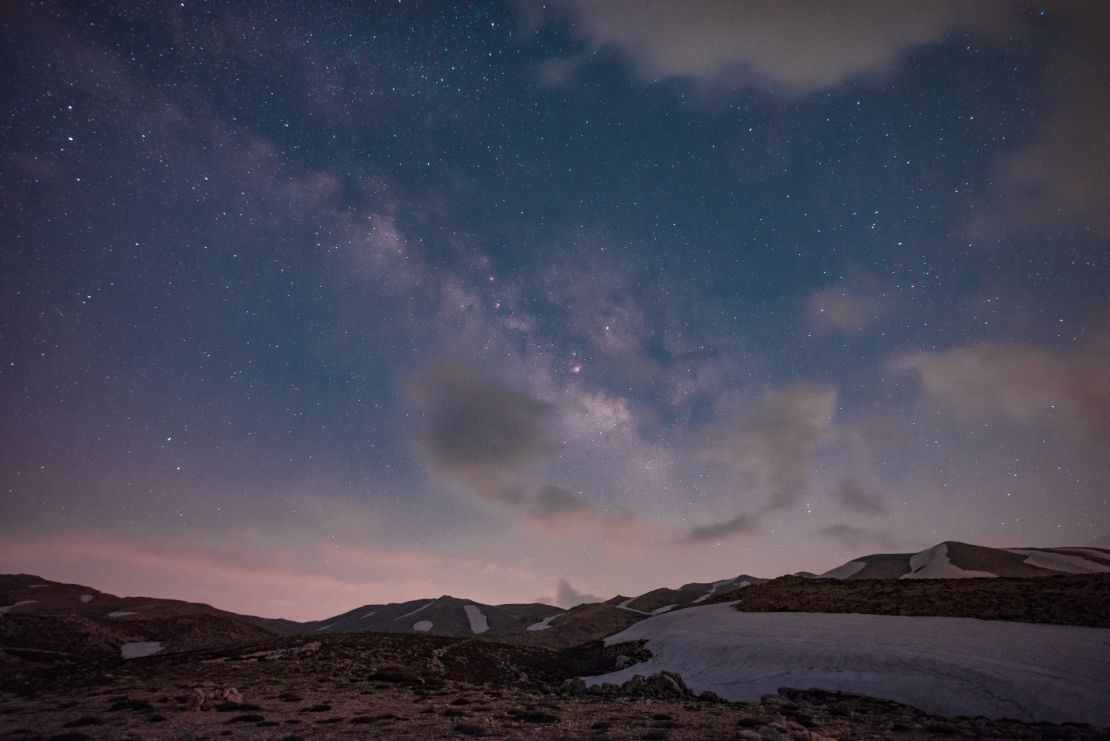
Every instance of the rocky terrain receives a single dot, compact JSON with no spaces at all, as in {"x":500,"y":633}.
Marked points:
{"x":1061,"y":600}
{"x":410,"y":686}
{"x":79,"y":663}
{"x":47,"y":623}
{"x":445,"y":615}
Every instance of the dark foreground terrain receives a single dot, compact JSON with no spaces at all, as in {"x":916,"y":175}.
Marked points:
{"x":403,"y":686}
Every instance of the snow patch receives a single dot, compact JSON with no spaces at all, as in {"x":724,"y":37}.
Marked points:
{"x":121,"y":613}
{"x":1069,"y":564}
{"x":478,"y":622}
{"x":1093,"y":552}
{"x":325,"y":627}
{"x":949,"y":666}
{"x":368,"y":615}
{"x":37,"y":586}
{"x":543,"y":624}
{"x":8,"y":608}
{"x":418,"y":609}
{"x":624,"y":606}
{"x":934,"y":564}
{"x":422,"y":626}
{"x":139,"y":649}
{"x":86,"y":598}
{"x":723,"y":583}
{"x":843,"y":572}
{"x":664,"y":608}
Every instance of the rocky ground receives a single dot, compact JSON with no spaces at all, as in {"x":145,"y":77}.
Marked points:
{"x":1081,"y":599}
{"x":403,"y":686}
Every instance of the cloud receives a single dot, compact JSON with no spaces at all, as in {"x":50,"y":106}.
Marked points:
{"x":848,"y":307}
{"x":856,"y":497}
{"x":563,"y":512}
{"x":853,"y":537}
{"x":1025,"y":384}
{"x":742,"y":524}
{"x":772,"y":450}
{"x":798,"y":47}
{"x":568,"y":596}
{"x":481,"y":433}
{"x":1062,"y":176}
{"x":554,"y":501}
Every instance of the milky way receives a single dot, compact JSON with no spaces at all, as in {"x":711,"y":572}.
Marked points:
{"x":304,"y":307}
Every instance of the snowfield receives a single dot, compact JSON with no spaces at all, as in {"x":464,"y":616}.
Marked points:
{"x":422,"y":626}
{"x":478,"y":622}
{"x":934,"y":564}
{"x":543,"y":624}
{"x":1060,"y":562}
{"x":139,"y":649}
{"x":418,"y":609}
{"x":949,"y":666}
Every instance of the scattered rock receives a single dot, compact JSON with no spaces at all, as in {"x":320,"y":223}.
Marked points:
{"x":214,"y":698}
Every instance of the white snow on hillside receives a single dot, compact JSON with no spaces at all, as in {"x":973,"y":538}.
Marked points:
{"x":368,"y":615}
{"x":324,"y":627}
{"x":478,"y":622}
{"x":139,"y":649}
{"x":422,"y":626}
{"x":1093,"y":552}
{"x":717,"y":585}
{"x":418,"y":609}
{"x":86,"y":598}
{"x":843,"y":572}
{"x":951,"y":666}
{"x":120,"y":613}
{"x":625,"y":606}
{"x":664,"y":608}
{"x":37,"y":586}
{"x":934,"y":564}
{"x":1060,"y":561}
{"x":9,"y":608}
{"x":543,"y":624}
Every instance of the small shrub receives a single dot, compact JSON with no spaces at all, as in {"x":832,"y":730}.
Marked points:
{"x":247,"y":718}
{"x":537,"y":716}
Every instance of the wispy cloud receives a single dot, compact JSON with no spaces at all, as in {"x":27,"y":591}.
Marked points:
{"x":742,"y":524}
{"x":771,"y":449}
{"x":855,"y":537}
{"x":797,"y":47}
{"x":480,"y":432}
{"x":1020,"y":383}
{"x":848,"y":307}
{"x":1060,"y":178}
{"x":568,"y":596}
{"x":859,"y":497}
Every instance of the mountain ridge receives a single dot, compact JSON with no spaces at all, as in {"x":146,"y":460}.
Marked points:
{"x":39,"y":615}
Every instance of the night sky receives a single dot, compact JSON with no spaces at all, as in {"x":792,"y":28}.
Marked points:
{"x":308,"y":306}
